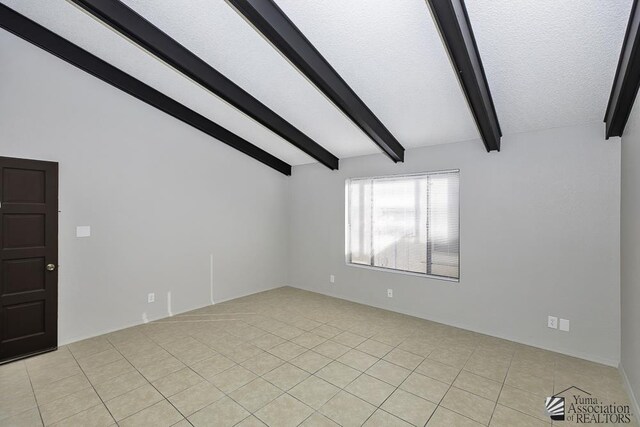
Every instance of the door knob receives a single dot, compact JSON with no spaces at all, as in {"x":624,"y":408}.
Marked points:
{"x":51,"y":267}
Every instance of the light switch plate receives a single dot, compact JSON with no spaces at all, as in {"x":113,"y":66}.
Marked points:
{"x":83,"y":231}
{"x":332,"y":278}
{"x":564,"y":325}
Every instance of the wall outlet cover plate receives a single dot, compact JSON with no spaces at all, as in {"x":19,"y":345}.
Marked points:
{"x":83,"y":231}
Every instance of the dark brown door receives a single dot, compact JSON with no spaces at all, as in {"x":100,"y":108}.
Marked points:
{"x":28,"y":257}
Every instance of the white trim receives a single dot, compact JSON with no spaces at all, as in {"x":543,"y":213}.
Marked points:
{"x":131,"y":325}
{"x":211,"y":278}
{"x":408,"y":273}
{"x":402,"y":175}
{"x":579,"y":355}
{"x":632,"y":396}
{"x":169,"y":311}
{"x":250,"y":293}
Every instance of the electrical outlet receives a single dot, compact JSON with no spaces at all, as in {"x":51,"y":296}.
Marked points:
{"x":552,"y":322}
{"x":564,"y":325}
{"x":390,"y":293}
{"x":151,"y":297}
{"x":332,"y":279}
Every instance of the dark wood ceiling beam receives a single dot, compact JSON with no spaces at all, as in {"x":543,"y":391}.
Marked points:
{"x":273,"y":23}
{"x":627,"y":79}
{"x":36,"y":34}
{"x":129,"y":23}
{"x":453,"y":23}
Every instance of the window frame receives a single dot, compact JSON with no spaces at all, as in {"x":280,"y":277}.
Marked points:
{"x":347,"y":228}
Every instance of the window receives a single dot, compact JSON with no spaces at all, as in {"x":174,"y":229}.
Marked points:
{"x":408,"y":223}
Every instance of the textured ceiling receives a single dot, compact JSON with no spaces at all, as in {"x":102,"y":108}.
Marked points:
{"x":391,"y":55}
{"x":76,"y":26}
{"x":549,"y":63}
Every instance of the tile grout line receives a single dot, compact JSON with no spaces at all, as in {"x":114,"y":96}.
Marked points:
{"x":92,"y":387}
{"x":354,"y":348}
{"x":307,"y":349}
{"x":336,"y":359}
{"x":343,"y":388}
{"x":62,"y":379}
{"x":149,"y":382}
{"x":252,"y":413}
{"x":289,"y":361}
{"x":341,"y":321}
{"x":117,"y":376}
{"x":239,"y":364}
{"x":438,"y":405}
{"x":451,"y":385}
{"x":33,"y":390}
{"x":398,"y":386}
{"x":501,"y":388}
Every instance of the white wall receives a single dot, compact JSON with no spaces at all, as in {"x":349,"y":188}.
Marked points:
{"x":539,"y":236}
{"x":159,"y":195}
{"x":630,"y":251}
{"x":539,"y":220}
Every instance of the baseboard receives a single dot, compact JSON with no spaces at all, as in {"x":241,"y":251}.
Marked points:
{"x":119,"y":328}
{"x":591,"y":358}
{"x":249,"y":293}
{"x":131,"y":325}
{"x":608,"y":362}
{"x":632,"y":396}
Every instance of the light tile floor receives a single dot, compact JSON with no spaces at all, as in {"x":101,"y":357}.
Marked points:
{"x":288,"y":357}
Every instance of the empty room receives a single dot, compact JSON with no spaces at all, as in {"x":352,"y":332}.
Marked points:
{"x":319,"y":213}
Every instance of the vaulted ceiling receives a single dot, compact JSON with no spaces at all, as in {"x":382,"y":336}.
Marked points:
{"x":549,"y":63}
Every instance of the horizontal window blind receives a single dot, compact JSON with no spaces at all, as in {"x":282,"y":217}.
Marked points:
{"x":407,"y":223}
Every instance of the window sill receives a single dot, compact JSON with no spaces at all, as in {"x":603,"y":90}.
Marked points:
{"x":407,"y":273}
